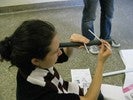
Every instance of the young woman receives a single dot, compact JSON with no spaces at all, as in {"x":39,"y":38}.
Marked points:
{"x":34,"y":49}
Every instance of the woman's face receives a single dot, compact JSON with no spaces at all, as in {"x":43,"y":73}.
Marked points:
{"x":53,"y":54}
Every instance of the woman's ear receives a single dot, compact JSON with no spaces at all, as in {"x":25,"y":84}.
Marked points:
{"x":35,"y":61}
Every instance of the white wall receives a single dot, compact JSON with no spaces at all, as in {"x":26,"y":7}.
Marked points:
{"x":4,"y":3}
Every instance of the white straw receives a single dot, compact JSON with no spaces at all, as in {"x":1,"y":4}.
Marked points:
{"x":94,"y":35}
{"x":117,"y":72}
{"x":99,"y":39}
{"x":86,"y":48}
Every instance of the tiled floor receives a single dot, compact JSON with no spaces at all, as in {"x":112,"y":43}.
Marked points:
{"x":67,"y":21}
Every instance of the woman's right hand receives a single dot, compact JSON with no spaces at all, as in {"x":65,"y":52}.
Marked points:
{"x":105,"y":51}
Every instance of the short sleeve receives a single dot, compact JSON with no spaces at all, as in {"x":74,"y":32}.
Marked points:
{"x":62,"y":58}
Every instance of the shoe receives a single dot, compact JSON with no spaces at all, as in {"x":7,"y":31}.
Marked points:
{"x":94,"y":49}
{"x":115,"y":44}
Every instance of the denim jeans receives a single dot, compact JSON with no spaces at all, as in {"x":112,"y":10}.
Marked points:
{"x":89,"y":16}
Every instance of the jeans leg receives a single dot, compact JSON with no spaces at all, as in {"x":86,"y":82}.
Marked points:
{"x":107,"y":9}
{"x":85,"y":27}
{"x":88,"y":17}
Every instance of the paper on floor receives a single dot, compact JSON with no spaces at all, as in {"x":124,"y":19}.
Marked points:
{"x":112,"y":92}
{"x":83,"y":78}
{"x":127,"y":56}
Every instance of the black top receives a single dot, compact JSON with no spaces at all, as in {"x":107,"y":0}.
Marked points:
{"x":28,"y":90}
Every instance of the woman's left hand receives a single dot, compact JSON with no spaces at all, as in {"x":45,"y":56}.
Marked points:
{"x":75,"y":37}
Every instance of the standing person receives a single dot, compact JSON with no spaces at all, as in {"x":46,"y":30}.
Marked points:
{"x":34,"y":49}
{"x":89,"y":16}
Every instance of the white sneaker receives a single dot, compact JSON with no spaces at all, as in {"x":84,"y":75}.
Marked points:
{"x":94,"y":49}
{"x":115,"y":44}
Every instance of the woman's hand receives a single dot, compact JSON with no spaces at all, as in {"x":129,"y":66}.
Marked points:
{"x":75,"y":38}
{"x":79,"y":38}
{"x":105,"y":51}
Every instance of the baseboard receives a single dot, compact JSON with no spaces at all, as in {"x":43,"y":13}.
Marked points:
{"x":43,"y":5}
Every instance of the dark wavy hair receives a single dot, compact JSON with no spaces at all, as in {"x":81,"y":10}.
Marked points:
{"x":30,"y":40}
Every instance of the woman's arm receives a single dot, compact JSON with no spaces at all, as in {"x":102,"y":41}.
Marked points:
{"x":94,"y":89}
{"x":75,"y":38}
{"x":68,"y":51}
